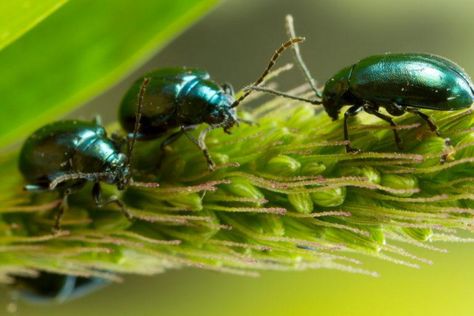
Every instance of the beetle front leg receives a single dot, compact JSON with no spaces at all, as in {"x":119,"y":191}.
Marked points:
{"x":97,"y":195}
{"x":352,"y":111}
{"x":62,"y":209}
{"x":201,"y":143}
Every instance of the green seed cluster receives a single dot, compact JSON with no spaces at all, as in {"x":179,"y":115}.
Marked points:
{"x":285,"y":196}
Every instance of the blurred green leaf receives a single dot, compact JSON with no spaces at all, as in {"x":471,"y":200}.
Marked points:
{"x":75,"y":54}
{"x":19,"y":16}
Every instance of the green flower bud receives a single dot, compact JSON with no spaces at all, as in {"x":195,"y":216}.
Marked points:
{"x":313,"y":168}
{"x":329,"y":197}
{"x":186,"y":201}
{"x":420,"y":234}
{"x":430,"y":146}
{"x":400,"y":182}
{"x":468,"y":151}
{"x":220,"y":159}
{"x":301,"y":202}
{"x":368,"y":172}
{"x":283,"y":165}
{"x":377,"y":234}
{"x":110,"y":221}
{"x":243,"y":188}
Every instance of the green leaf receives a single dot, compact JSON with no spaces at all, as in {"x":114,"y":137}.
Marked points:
{"x":80,"y":51}
{"x":19,"y":16}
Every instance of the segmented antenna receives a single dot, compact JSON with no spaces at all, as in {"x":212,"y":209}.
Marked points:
{"x":91,"y":176}
{"x":283,"y":94}
{"x":272,"y":62}
{"x":138,"y":116}
{"x":290,"y":30}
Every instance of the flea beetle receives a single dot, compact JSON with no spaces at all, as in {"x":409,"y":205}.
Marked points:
{"x":179,"y":99}
{"x":399,"y":83}
{"x":49,"y":287}
{"x":63,"y":156}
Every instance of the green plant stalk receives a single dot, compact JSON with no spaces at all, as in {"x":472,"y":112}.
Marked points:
{"x":285,"y":196}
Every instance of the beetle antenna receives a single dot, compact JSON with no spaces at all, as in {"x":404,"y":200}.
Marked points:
{"x":91,"y":176}
{"x":150,"y":185}
{"x":283,"y":94}
{"x":138,"y":116}
{"x":272,"y":62}
{"x":290,"y":30}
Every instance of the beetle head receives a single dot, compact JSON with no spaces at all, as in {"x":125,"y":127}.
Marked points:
{"x":118,"y":171}
{"x":332,"y":106}
{"x":221,"y":113}
{"x":336,"y":91}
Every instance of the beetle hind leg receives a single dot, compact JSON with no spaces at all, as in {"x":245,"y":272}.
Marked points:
{"x":427,"y":119}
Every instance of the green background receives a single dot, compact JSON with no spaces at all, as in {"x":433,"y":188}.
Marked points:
{"x":233,"y":43}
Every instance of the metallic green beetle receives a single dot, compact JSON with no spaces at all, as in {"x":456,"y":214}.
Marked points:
{"x":179,"y":99}
{"x":397,"y":82}
{"x":63,"y":156}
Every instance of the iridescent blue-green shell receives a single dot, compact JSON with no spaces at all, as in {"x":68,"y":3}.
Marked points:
{"x":66,"y":147}
{"x":417,"y":80}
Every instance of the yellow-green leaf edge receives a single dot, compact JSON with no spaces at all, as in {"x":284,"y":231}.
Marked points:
{"x":19,"y":16}
{"x":20,"y":129}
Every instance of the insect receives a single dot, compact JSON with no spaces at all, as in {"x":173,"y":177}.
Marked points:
{"x":50,"y":287}
{"x":182,"y":98}
{"x":65,"y":155}
{"x":399,"y":83}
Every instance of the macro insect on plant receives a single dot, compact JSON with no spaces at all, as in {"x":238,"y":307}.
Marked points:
{"x":63,"y":156}
{"x":399,"y":83}
{"x":50,"y":287}
{"x":182,"y":98}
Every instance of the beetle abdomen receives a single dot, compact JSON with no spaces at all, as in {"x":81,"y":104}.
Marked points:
{"x":418,"y":80}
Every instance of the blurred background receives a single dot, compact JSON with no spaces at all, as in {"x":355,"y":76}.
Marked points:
{"x":234,"y":43}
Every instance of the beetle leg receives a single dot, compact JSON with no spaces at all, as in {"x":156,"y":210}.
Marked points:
{"x":228,"y":88}
{"x":427,"y":119}
{"x":62,"y":208}
{"x":352,"y":111}
{"x":171,"y":139}
{"x":201,"y":143}
{"x":97,"y":195}
{"x":388,"y":119}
